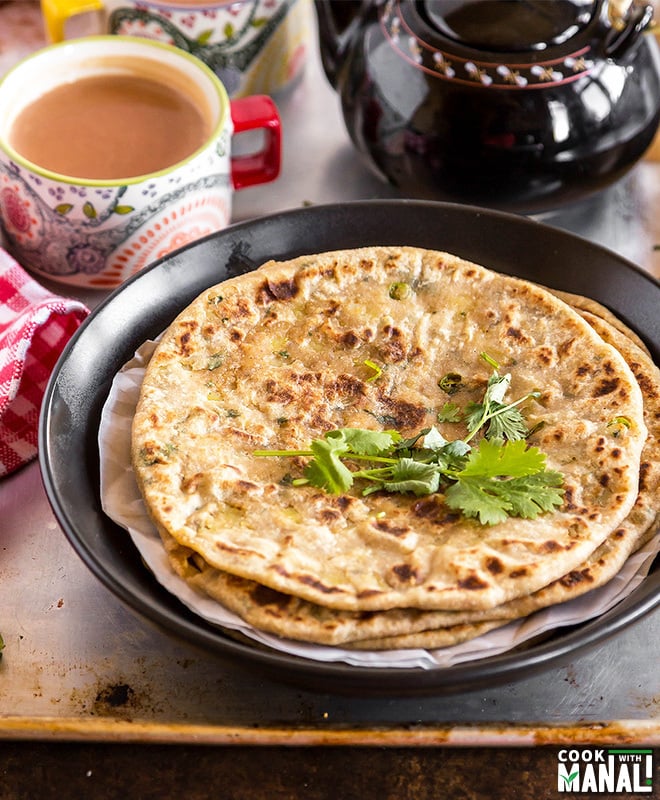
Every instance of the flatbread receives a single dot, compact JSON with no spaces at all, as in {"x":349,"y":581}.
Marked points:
{"x":596,"y":309}
{"x":290,"y":617}
{"x":276,"y":357}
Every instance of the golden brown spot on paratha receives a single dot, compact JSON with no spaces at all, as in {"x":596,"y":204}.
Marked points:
{"x":494,"y":566}
{"x":472,"y":583}
{"x":550,"y":546}
{"x":649,"y":389}
{"x":545,"y":356}
{"x":576,"y":577}
{"x":569,"y":505}
{"x":190,"y":484}
{"x":405,"y":415}
{"x":644,"y":471}
{"x":307,"y":580}
{"x":343,"y":385}
{"x":265,"y":596}
{"x":184,"y":344}
{"x":305,"y":378}
{"x":349,"y":339}
{"x":606,"y":386}
{"x":390,"y":527}
{"x":241,"y":307}
{"x":243,"y":552}
{"x":515,"y":333}
{"x":518,"y":573}
{"x":245,"y":436}
{"x":277,"y":393}
{"x":393,"y":348}
{"x":564,"y":348}
{"x":434,"y":509}
{"x":345,"y":501}
{"x":406,"y":573}
{"x":270,"y":291}
{"x":329,"y":515}
{"x":366,"y":593}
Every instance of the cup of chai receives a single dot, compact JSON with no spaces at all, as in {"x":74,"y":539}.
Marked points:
{"x":115,"y":151}
{"x":253,"y":46}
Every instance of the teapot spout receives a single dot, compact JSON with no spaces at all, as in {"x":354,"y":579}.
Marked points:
{"x":338,"y":21}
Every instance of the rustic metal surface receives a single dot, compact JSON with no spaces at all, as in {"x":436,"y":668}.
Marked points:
{"x":77,"y":664}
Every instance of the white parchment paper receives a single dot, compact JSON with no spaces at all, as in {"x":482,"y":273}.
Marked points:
{"x":122,"y":502}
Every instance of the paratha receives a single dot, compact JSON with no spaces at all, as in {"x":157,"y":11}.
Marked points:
{"x":277,"y":356}
{"x":290,"y":617}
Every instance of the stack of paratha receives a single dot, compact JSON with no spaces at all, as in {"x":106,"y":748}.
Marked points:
{"x":279,"y":356}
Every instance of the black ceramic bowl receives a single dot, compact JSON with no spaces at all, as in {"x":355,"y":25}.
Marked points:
{"x":147,"y":303}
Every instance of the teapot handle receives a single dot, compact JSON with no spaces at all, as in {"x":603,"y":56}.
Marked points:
{"x":337,"y":22}
{"x":621,"y":40}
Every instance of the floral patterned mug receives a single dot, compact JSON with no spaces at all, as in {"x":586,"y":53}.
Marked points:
{"x":253,"y":46}
{"x":96,"y":232}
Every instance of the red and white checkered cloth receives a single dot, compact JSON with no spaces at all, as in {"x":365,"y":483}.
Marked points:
{"x":34,"y":327}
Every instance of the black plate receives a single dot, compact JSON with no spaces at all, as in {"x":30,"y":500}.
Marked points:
{"x":147,"y":303}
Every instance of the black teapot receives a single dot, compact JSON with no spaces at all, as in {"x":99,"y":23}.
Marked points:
{"x":515,"y":104}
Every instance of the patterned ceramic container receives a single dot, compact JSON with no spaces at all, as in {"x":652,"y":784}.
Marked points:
{"x":96,"y":233}
{"x":253,"y":46}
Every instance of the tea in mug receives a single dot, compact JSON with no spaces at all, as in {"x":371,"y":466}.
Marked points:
{"x":109,"y":126}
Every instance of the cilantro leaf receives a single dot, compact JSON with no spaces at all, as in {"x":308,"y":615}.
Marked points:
{"x":326,"y":470}
{"x":449,"y":412}
{"x":408,"y":475}
{"x":535,"y":494}
{"x":504,"y":479}
{"x":477,"y":497}
{"x":506,"y":422}
{"x":495,"y":459}
{"x":477,"y":414}
{"x":365,"y":442}
{"x":434,"y":440}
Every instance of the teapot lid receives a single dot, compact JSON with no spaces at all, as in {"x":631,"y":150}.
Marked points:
{"x":508,"y":25}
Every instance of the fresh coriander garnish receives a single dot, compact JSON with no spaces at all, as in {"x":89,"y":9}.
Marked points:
{"x":450,"y":412}
{"x":498,"y":478}
{"x":505,"y":421}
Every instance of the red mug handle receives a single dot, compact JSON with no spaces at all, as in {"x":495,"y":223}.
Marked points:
{"x":250,"y":113}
